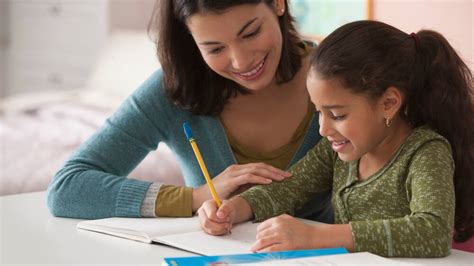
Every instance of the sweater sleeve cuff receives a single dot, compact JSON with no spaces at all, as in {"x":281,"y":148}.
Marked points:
{"x":373,"y":236}
{"x":148,"y":206}
{"x":174,"y":201}
{"x":262,"y":204}
{"x":130,"y":197}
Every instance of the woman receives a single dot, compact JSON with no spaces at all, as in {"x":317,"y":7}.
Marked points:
{"x":235,"y":71}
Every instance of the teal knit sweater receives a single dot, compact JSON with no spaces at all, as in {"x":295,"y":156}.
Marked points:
{"x":93,"y":183}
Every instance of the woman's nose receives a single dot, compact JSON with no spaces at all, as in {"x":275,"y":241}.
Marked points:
{"x":241,"y":59}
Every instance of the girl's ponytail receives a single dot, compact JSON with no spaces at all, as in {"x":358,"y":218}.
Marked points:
{"x":442,"y":97}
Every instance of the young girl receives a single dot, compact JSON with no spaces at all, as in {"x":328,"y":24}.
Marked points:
{"x":396,"y":114}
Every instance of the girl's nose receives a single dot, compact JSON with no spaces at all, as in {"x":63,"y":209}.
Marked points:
{"x":324,"y":126}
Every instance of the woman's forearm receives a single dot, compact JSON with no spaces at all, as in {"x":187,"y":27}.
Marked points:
{"x":200,"y":195}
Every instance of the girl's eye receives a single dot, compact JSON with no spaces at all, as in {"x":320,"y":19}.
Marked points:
{"x":333,"y":116}
{"x":254,"y":33}
{"x":338,"y":117}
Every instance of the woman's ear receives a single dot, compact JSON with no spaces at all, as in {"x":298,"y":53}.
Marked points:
{"x":391,"y":101}
{"x":279,"y":7}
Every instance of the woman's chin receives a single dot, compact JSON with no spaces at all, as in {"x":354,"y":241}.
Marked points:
{"x":257,"y":85}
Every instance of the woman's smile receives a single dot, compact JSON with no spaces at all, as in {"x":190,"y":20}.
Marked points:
{"x":254,"y":73}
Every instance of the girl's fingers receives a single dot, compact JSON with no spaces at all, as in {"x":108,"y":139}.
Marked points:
{"x":223,"y":213}
{"x":265,"y":243}
{"x":273,"y":248}
{"x":264,"y":233}
{"x":266,"y":225}
{"x":210,"y":209}
{"x":210,"y":226}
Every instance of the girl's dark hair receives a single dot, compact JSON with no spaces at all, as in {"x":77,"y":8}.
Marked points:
{"x":188,"y":80}
{"x":370,"y":56}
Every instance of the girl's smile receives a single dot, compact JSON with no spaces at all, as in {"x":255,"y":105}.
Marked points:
{"x":338,"y":146}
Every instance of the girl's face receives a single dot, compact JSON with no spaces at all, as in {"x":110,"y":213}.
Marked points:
{"x":353,"y":123}
{"x":242,"y":44}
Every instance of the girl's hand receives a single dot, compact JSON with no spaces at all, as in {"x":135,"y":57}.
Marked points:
{"x":216,"y":221}
{"x":284,"y":233}
{"x":236,"y":177}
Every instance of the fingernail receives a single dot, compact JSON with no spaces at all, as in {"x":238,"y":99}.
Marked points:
{"x":269,"y":181}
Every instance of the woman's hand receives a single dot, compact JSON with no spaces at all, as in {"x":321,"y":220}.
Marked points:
{"x":236,"y":177}
{"x":284,"y":233}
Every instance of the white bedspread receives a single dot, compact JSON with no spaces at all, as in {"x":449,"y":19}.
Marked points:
{"x":39,"y":132}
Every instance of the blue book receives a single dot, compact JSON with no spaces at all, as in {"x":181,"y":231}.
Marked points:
{"x":252,"y":257}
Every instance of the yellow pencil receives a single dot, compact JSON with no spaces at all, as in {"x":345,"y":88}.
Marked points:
{"x":189,"y":135}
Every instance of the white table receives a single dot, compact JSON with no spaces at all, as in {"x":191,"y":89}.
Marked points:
{"x":31,"y":235}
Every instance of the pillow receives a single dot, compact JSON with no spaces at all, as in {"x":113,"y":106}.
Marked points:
{"x":128,"y":59}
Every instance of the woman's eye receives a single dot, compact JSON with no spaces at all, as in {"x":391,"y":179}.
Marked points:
{"x":215,"y":50}
{"x":254,"y":33}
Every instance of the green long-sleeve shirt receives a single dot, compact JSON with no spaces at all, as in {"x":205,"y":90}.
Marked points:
{"x":406,"y":209}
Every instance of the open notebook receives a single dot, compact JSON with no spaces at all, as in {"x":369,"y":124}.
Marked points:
{"x":183,"y":233}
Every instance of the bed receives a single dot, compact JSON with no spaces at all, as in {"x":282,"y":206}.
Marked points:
{"x":40,"y":130}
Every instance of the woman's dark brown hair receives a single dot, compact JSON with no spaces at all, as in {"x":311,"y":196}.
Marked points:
{"x":369,"y":56}
{"x":188,"y":80}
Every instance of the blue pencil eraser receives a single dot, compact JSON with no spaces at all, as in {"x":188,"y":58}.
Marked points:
{"x":187,"y":131}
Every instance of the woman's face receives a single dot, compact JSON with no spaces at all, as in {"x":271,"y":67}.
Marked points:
{"x":242,"y":44}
